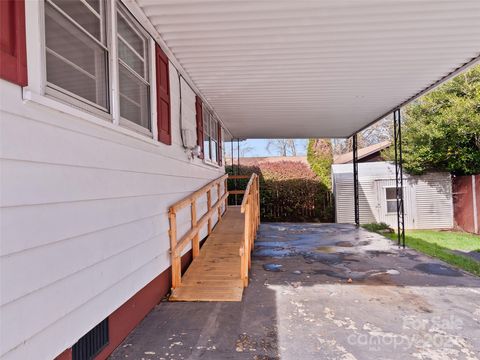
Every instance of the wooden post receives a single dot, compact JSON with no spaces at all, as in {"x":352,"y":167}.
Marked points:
{"x":176,"y":265}
{"x":242,"y":265}
{"x":252,"y":226}
{"x":209,"y":206}
{"x":219,"y":209}
{"x":225,"y":190}
{"x":196,"y":240}
{"x":247,"y":241}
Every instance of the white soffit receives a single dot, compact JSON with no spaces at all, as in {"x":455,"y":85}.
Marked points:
{"x":326,"y":68}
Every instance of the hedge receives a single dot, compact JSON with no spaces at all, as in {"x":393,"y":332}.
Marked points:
{"x":289,"y":191}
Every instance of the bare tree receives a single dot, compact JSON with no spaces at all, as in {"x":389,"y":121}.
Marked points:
{"x":245,"y":149}
{"x":243,"y":146}
{"x":282,"y":147}
{"x":374,"y":134}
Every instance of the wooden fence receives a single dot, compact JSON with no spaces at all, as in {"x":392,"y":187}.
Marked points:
{"x":466,"y":203}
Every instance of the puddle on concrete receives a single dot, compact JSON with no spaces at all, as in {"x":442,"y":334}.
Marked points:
{"x":437,"y":269}
{"x":344,"y":244}
{"x":379,"y":252}
{"x":326,"y":249}
{"x":273,"y":252}
{"x":330,"y":259}
{"x":272,"y":267}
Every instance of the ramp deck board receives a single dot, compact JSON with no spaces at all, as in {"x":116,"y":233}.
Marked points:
{"x":215,"y":274}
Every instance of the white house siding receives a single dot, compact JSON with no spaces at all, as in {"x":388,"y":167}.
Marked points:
{"x":431,"y":194}
{"x":83,"y":218}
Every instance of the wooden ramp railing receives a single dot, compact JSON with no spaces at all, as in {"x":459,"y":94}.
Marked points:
{"x":251,"y":208}
{"x":219,"y":271}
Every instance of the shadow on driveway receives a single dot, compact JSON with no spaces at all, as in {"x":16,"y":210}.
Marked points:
{"x":324,"y":291}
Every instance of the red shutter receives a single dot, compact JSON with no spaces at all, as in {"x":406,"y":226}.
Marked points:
{"x":163,"y":98}
{"x":220,"y":145}
{"x":13,"y":54}
{"x":199,"y":111}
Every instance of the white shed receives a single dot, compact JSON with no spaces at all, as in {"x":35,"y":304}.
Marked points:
{"x":428,"y":198}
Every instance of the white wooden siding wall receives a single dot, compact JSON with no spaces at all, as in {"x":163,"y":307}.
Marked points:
{"x":83,"y":218}
{"x":432,"y":195}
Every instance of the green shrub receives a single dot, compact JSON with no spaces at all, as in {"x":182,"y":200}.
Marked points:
{"x":289,"y":191}
{"x":378,"y":227}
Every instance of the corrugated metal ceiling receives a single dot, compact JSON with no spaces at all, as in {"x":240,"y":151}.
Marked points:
{"x":276,"y":68}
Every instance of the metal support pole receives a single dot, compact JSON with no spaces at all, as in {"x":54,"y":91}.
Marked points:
{"x":355,"y":180}
{"x":231,"y":145}
{"x":238,"y":166}
{"x":238,"y":156}
{"x":397,"y":136}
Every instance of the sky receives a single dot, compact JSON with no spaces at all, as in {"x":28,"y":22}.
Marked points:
{"x":258,"y":147}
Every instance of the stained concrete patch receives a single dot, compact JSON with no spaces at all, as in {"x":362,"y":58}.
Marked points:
{"x":272,"y":267}
{"x":398,"y":305}
{"x":438,"y":269}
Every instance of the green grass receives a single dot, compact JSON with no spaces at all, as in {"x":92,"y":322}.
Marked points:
{"x":449,"y":239}
{"x":439,"y":244}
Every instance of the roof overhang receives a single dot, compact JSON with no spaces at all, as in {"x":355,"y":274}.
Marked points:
{"x":298,"y":69}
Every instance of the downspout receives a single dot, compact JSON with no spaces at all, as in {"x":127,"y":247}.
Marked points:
{"x":180,"y":117}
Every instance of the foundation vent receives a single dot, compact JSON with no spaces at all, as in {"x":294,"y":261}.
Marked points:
{"x":91,"y":343}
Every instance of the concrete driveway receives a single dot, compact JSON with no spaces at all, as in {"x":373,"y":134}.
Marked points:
{"x":324,"y":291}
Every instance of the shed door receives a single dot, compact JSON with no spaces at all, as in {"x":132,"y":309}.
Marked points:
{"x":387,"y":203}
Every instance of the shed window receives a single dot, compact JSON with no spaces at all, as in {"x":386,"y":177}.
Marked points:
{"x":133,"y":70}
{"x":391,"y":199}
{"x":76,"y":50}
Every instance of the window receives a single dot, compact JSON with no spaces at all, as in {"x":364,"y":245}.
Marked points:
{"x":134,"y":65}
{"x":78,"y":41}
{"x":77,"y":51}
{"x":210,"y":137}
{"x":391,"y":199}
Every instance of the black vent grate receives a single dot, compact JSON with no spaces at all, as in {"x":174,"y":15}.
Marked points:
{"x":91,"y":343}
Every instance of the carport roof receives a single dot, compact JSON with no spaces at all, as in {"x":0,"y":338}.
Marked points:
{"x":297,"y":69}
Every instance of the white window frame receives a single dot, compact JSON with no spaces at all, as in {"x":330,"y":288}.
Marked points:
{"x":149,"y":68}
{"x":65,"y":95}
{"x":387,"y":200}
{"x":211,"y":119}
{"x":36,"y":91}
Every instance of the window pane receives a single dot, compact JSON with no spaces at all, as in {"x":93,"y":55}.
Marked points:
{"x":392,"y":206}
{"x":391,"y":193}
{"x":129,"y":35}
{"x":206,"y":124}
{"x":82,"y":15}
{"x":214,"y":130}
{"x":206,"y":147}
{"x":214,"y":151}
{"x":95,"y":4}
{"x":134,"y":98}
{"x":74,"y":61}
{"x":130,"y":58}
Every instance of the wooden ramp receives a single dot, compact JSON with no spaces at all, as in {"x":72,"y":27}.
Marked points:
{"x":215,"y":274}
{"x":219,"y":270}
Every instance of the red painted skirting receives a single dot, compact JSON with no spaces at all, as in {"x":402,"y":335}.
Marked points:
{"x":123,"y":320}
